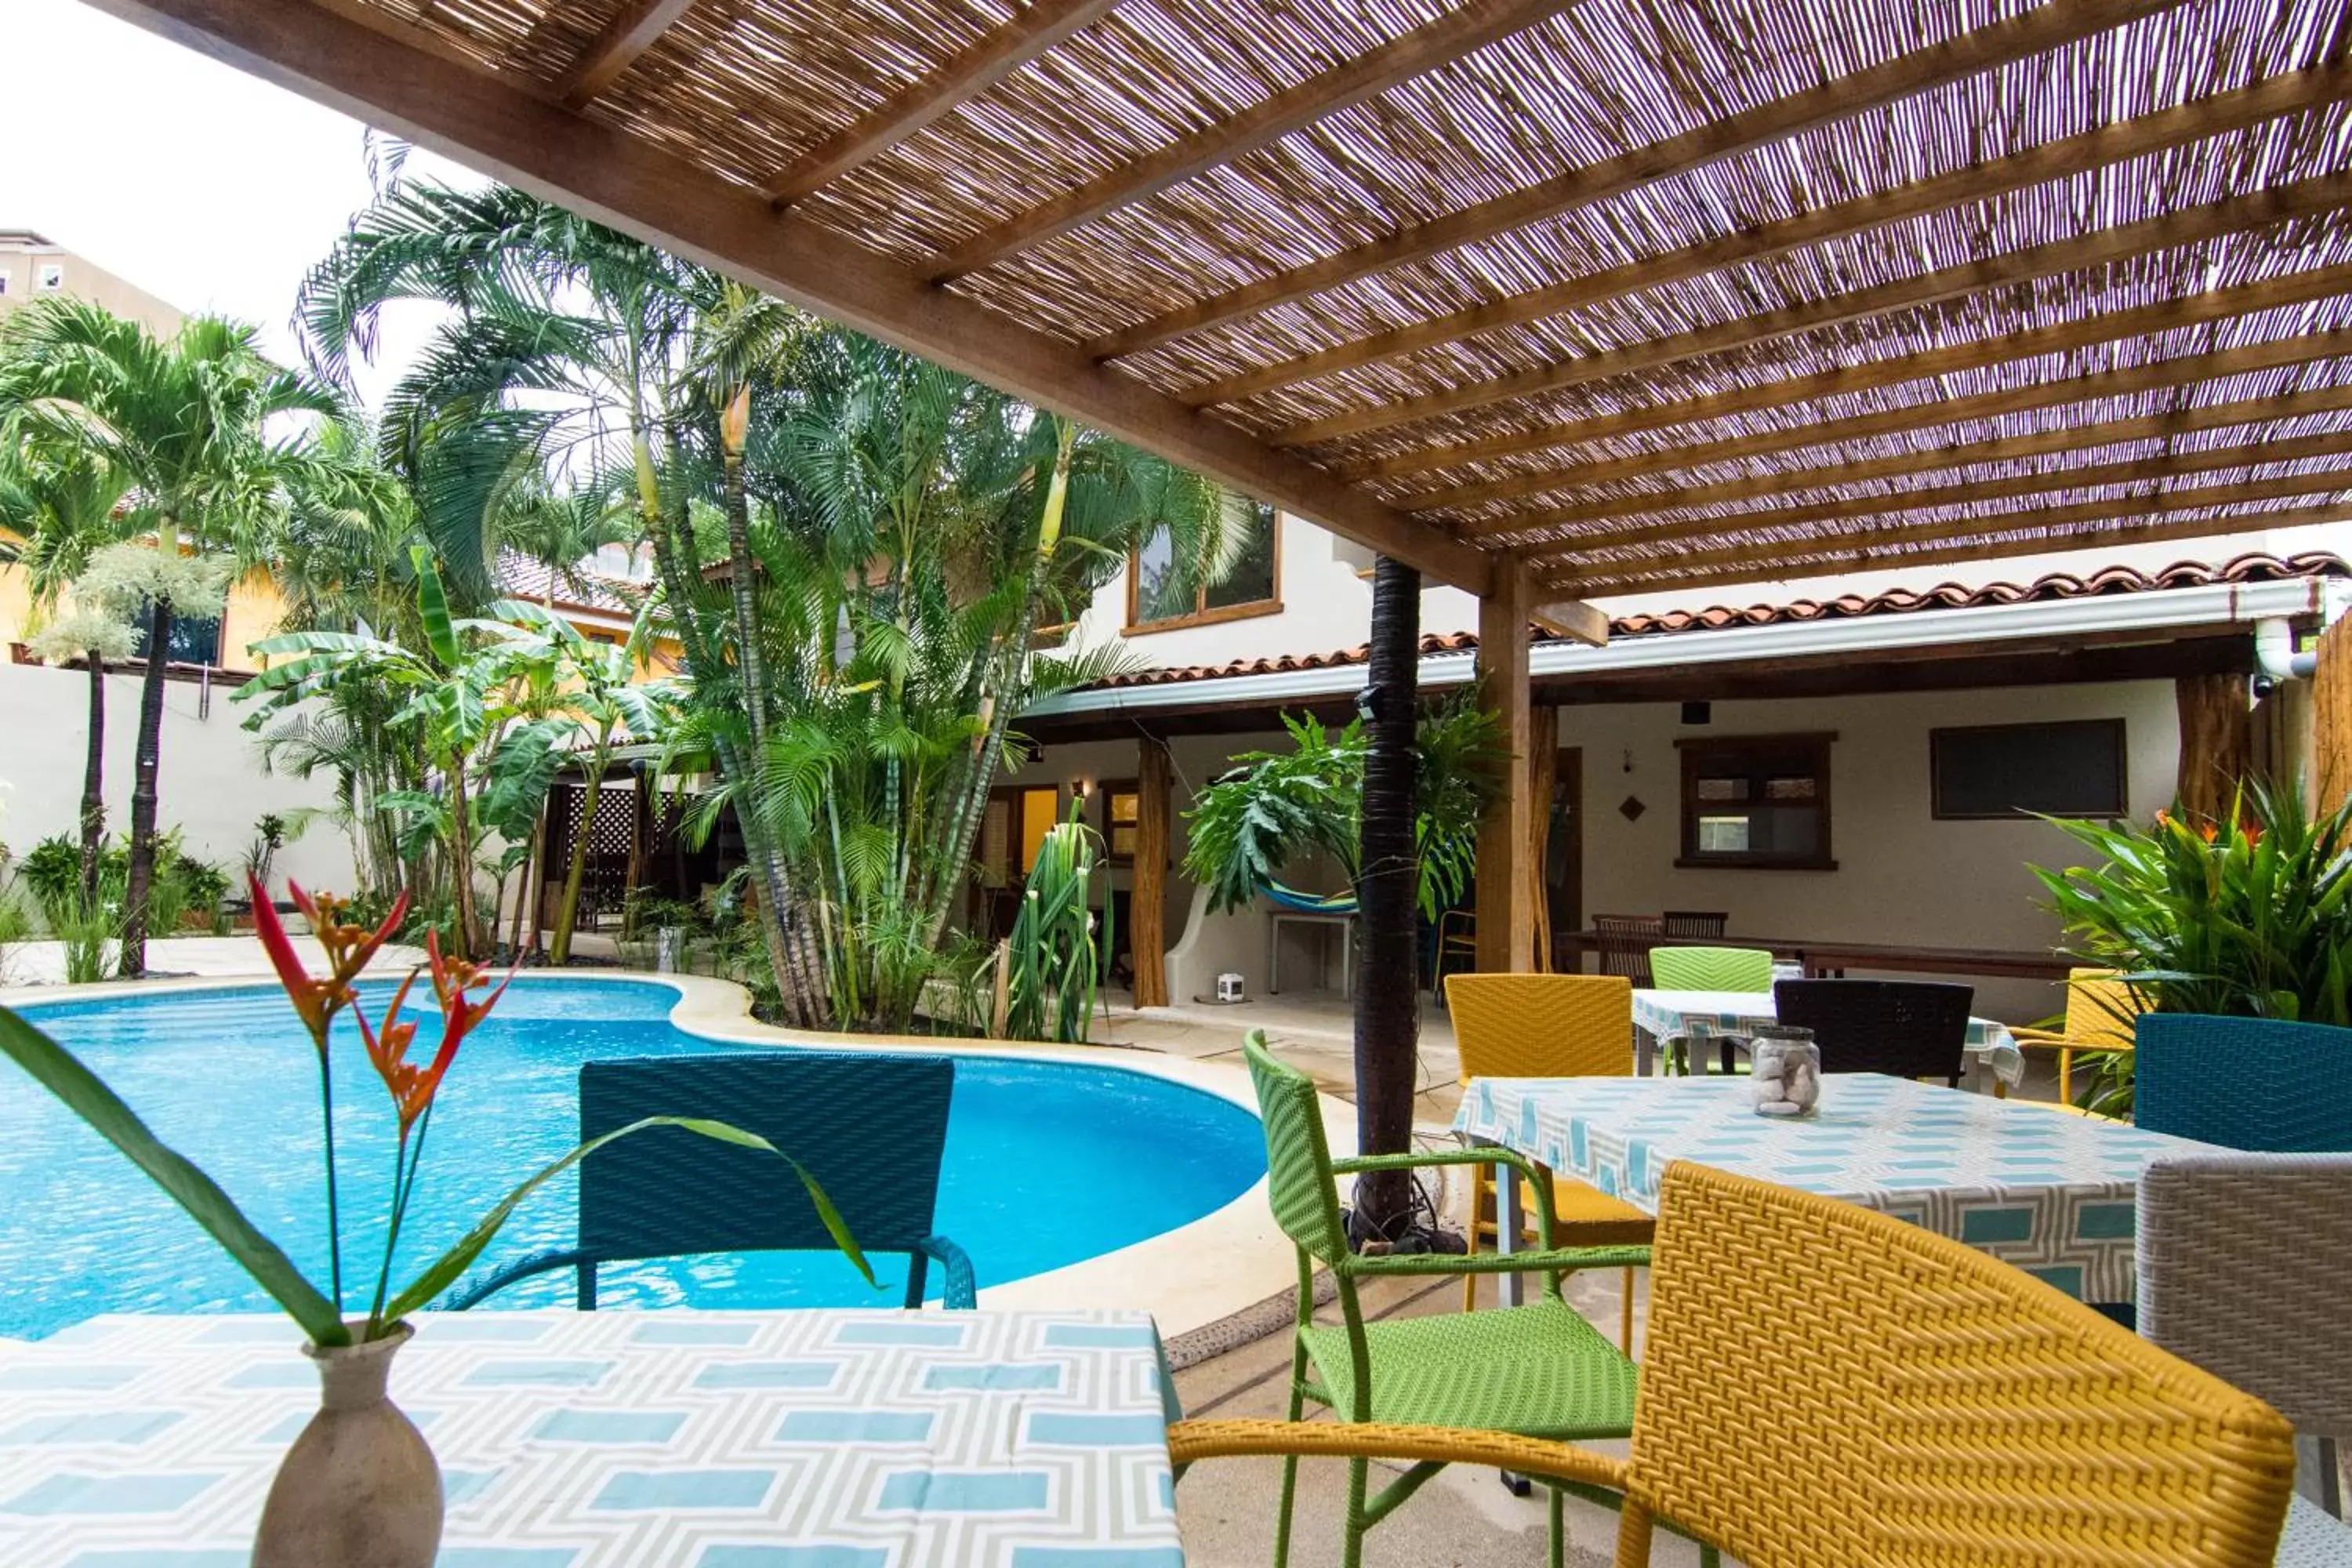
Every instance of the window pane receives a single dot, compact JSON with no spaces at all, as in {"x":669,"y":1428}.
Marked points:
{"x":1723,"y":834}
{"x":1156,"y":594}
{"x":1251,"y":580}
{"x":194,"y":639}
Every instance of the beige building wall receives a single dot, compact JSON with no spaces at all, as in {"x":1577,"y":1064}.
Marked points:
{"x":28,"y":261}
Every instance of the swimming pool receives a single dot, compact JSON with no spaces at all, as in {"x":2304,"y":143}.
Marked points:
{"x":1047,"y":1163}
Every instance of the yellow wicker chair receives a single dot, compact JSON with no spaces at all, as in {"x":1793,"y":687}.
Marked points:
{"x":1830,"y":1387}
{"x":2100,"y":1011}
{"x":1550,"y":1026}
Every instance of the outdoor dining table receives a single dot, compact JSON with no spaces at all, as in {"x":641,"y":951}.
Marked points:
{"x":2053,"y":1193}
{"x":1704,"y":1015}
{"x":815,"y":1439}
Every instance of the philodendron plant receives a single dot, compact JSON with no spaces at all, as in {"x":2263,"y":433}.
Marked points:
{"x":413,"y":1086}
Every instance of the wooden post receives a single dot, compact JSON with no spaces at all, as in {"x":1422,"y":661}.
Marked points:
{"x":1147,"y":933}
{"x":1507,"y":876}
{"x":2217,"y":742}
{"x":2331,"y":714}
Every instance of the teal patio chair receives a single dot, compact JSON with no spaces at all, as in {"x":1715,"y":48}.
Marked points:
{"x":2245,"y":1083}
{"x":1711,"y":968}
{"x":1537,"y":1371}
{"x":869,"y":1128}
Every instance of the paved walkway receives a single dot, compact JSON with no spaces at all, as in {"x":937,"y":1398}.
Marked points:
{"x":180,"y":957}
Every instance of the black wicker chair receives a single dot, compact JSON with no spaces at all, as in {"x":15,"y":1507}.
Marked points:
{"x":1907,"y":1028}
{"x":870,"y":1128}
{"x":1694,"y":925}
{"x":1624,"y":941}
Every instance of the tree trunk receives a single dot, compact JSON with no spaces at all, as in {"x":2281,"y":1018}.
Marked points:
{"x":524,"y":889}
{"x":1388,"y":1000}
{"x":93,"y":786}
{"x":559,"y":950}
{"x":461,"y":858}
{"x":146,"y":770}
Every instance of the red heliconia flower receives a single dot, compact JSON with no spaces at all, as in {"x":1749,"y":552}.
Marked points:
{"x":2251,"y":832}
{"x":387,"y":1049}
{"x":350,"y":948}
{"x":413,"y":1086}
{"x":316,"y":1001}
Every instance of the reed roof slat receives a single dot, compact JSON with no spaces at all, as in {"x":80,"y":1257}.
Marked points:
{"x":1638,"y":290}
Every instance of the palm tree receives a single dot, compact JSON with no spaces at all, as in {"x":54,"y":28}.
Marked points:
{"x":1388,"y":965}
{"x":886,"y":535}
{"x":59,"y":503}
{"x":186,"y":420}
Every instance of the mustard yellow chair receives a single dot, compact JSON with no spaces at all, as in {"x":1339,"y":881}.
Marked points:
{"x":2100,"y":1012}
{"x":1827,"y":1386}
{"x":1550,"y":1026}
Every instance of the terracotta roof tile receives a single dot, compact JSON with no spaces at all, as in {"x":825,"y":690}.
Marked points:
{"x":1890,"y":602}
{"x":521,"y":577}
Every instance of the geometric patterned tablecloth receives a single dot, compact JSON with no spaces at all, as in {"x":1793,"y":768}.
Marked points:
{"x":812,"y":1439}
{"x":1664,"y":1013}
{"x":2054,"y":1194}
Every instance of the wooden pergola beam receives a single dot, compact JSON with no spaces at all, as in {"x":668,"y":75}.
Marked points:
{"x":633,"y":29}
{"x":2079,"y":253}
{"x":1039,"y":26}
{"x":1753,"y":551}
{"x":2046,"y":27}
{"x":1451,"y":37}
{"x":387,"y":79}
{"x":2186,"y":370}
{"x":2064,"y":159}
{"x":1986,"y":545}
{"x":2295,"y":450}
{"x":2065,"y":337}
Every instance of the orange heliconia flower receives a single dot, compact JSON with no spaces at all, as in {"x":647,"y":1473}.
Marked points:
{"x":349,"y":948}
{"x":2208,"y":833}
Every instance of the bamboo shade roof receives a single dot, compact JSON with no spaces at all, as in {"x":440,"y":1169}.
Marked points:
{"x":1625,"y":294}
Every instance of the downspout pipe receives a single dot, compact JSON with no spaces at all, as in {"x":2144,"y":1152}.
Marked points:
{"x":2274,"y":651}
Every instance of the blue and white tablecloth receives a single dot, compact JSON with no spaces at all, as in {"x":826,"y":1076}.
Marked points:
{"x":819,"y":1439}
{"x":2054,"y":1194}
{"x":1661,"y":1013}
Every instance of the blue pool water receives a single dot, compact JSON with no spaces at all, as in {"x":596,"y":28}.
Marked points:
{"x":1048,"y":1163}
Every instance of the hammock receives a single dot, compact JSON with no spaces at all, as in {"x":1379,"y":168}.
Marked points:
{"x":1311,"y":903}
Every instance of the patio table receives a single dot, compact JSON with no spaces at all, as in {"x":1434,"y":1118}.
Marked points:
{"x":844,"y":1439}
{"x":2053,"y":1193}
{"x":1658,"y":1014}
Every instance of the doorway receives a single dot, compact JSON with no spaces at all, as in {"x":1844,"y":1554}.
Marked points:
{"x":1563,"y":863}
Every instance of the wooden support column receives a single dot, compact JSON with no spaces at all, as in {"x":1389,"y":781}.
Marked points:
{"x":1148,"y":936}
{"x":1506,"y":875}
{"x":2217,"y":742}
{"x":2331,"y":713}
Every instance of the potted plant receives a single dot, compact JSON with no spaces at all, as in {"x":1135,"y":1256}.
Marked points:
{"x":359,"y":1489}
{"x":2249,"y":916}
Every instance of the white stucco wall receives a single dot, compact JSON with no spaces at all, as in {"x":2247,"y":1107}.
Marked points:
{"x":211,"y":786}
{"x":1325,"y":605}
{"x":1902,"y":876}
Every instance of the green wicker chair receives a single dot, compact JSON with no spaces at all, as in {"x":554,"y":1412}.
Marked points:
{"x":1711,"y":968}
{"x":1537,"y":1371}
{"x":870,"y":1128}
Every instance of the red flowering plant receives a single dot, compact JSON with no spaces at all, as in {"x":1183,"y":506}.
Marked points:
{"x":463,"y":995}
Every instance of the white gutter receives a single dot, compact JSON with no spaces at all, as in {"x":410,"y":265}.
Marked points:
{"x":2150,"y":610}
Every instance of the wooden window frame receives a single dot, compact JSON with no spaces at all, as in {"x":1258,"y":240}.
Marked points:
{"x":1201,"y":614}
{"x":1104,"y":790}
{"x":1696,"y":750}
{"x":1935,"y":740}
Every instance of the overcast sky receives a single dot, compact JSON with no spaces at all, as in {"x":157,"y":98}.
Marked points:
{"x":206,"y":187}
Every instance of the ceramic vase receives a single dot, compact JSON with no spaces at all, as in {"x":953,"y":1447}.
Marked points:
{"x":360,"y":1487}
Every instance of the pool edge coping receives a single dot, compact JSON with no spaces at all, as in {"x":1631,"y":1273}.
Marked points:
{"x":1161,"y":1274}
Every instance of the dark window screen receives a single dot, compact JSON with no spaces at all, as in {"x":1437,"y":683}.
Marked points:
{"x":2063,"y":770}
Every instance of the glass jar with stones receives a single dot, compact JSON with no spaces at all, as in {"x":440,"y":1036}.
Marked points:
{"x":1786,"y":1079}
